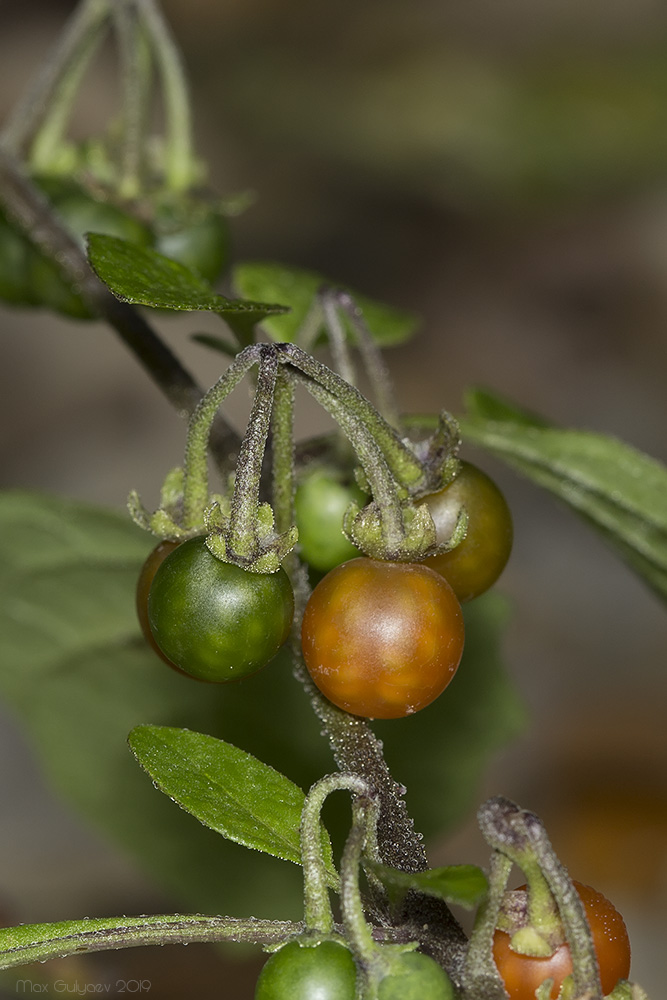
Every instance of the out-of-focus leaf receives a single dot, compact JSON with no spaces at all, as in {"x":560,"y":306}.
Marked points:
{"x":460,"y":885}
{"x":226,"y":789}
{"x":297,"y":288}
{"x":619,"y":490}
{"x":80,"y":677}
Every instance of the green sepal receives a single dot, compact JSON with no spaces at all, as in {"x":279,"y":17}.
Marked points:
{"x":171,"y":493}
{"x":363,"y":527}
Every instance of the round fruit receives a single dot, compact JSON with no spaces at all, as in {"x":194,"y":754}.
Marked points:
{"x":321,"y":500}
{"x":415,"y":977}
{"x":476,"y":562}
{"x":522,"y":974}
{"x":146,"y":574}
{"x":324,"y":971}
{"x":215,"y":621}
{"x":382,"y":639}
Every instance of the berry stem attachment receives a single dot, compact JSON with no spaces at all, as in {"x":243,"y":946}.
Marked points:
{"x":521,"y":836}
{"x":365,"y":811}
{"x":480,"y":975}
{"x":317,"y":906}
{"x":195,"y":490}
{"x":282,"y":451}
{"x":243,"y":540}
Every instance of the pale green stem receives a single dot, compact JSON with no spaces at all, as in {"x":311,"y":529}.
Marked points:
{"x":357,"y":929}
{"x":480,"y":975}
{"x":307,"y":333}
{"x":135,"y":59}
{"x":340,"y":350}
{"x":376,"y":369}
{"x":245,"y":499}
{"x":179,"y":152}
{"x":317,"y":905}
{"x":41,"y":942}
{"x":195,"y":488}
{"x":282,"y":450}
{"x":372,"y":460}
{"x":54,"y":88}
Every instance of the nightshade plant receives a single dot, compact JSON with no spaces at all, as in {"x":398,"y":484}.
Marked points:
{"x":394,"y":933}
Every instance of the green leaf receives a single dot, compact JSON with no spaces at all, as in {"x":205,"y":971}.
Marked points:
{"x":226,"y":789}
{"x":618,"y":490}
{"x":79,"y":678}
{"x":297,"y":288}
{"x":143,"y":277}
{"x":460,"y":885}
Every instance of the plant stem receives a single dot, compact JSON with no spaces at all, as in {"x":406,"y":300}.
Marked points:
{"x":179,"y":164}
{"x":245,"y":499}
{"x":357,"y":930}
{"x":480,"y":975}
{"x":195,"y":487}
{"x":53,"y":89}
{"x":40,"y":942}
{"x":317,"y":906}
{"x":371,"y":458}
{"x":135,"y":60}
{"x":521,"y":836}
{"x":30,"y":210}
{"x":404,"y":465}
{"x":282,"y":452}
{"x":376,"y":369}
{"x":337,"y":337}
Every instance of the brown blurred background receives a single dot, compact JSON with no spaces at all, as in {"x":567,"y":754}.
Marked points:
{"x":501,"y":168}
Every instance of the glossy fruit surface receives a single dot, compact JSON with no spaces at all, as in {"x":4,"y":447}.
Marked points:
{"x":523,"y":974}
{"x":213,"y":620}
{"x":325,"y":971}
{"x":144,"y":582}
{"x":382,"y":639}
{"x":320,"y":502}
{"x":476,"y":562}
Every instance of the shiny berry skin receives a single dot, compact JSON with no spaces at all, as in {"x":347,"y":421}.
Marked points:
{"x":522,"y":974}
{"x":382,"y":639}
{"x":324,"y":971}
{"x":213,"y":620}
{"x":476,"y":562}
{"x":321,"y":500}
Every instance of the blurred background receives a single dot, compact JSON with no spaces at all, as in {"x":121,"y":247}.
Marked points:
{"x":501,"y":169}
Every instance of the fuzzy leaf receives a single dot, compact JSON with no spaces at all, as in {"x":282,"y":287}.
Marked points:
{"x":226,"y":789}
{"x":143,"y":277}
